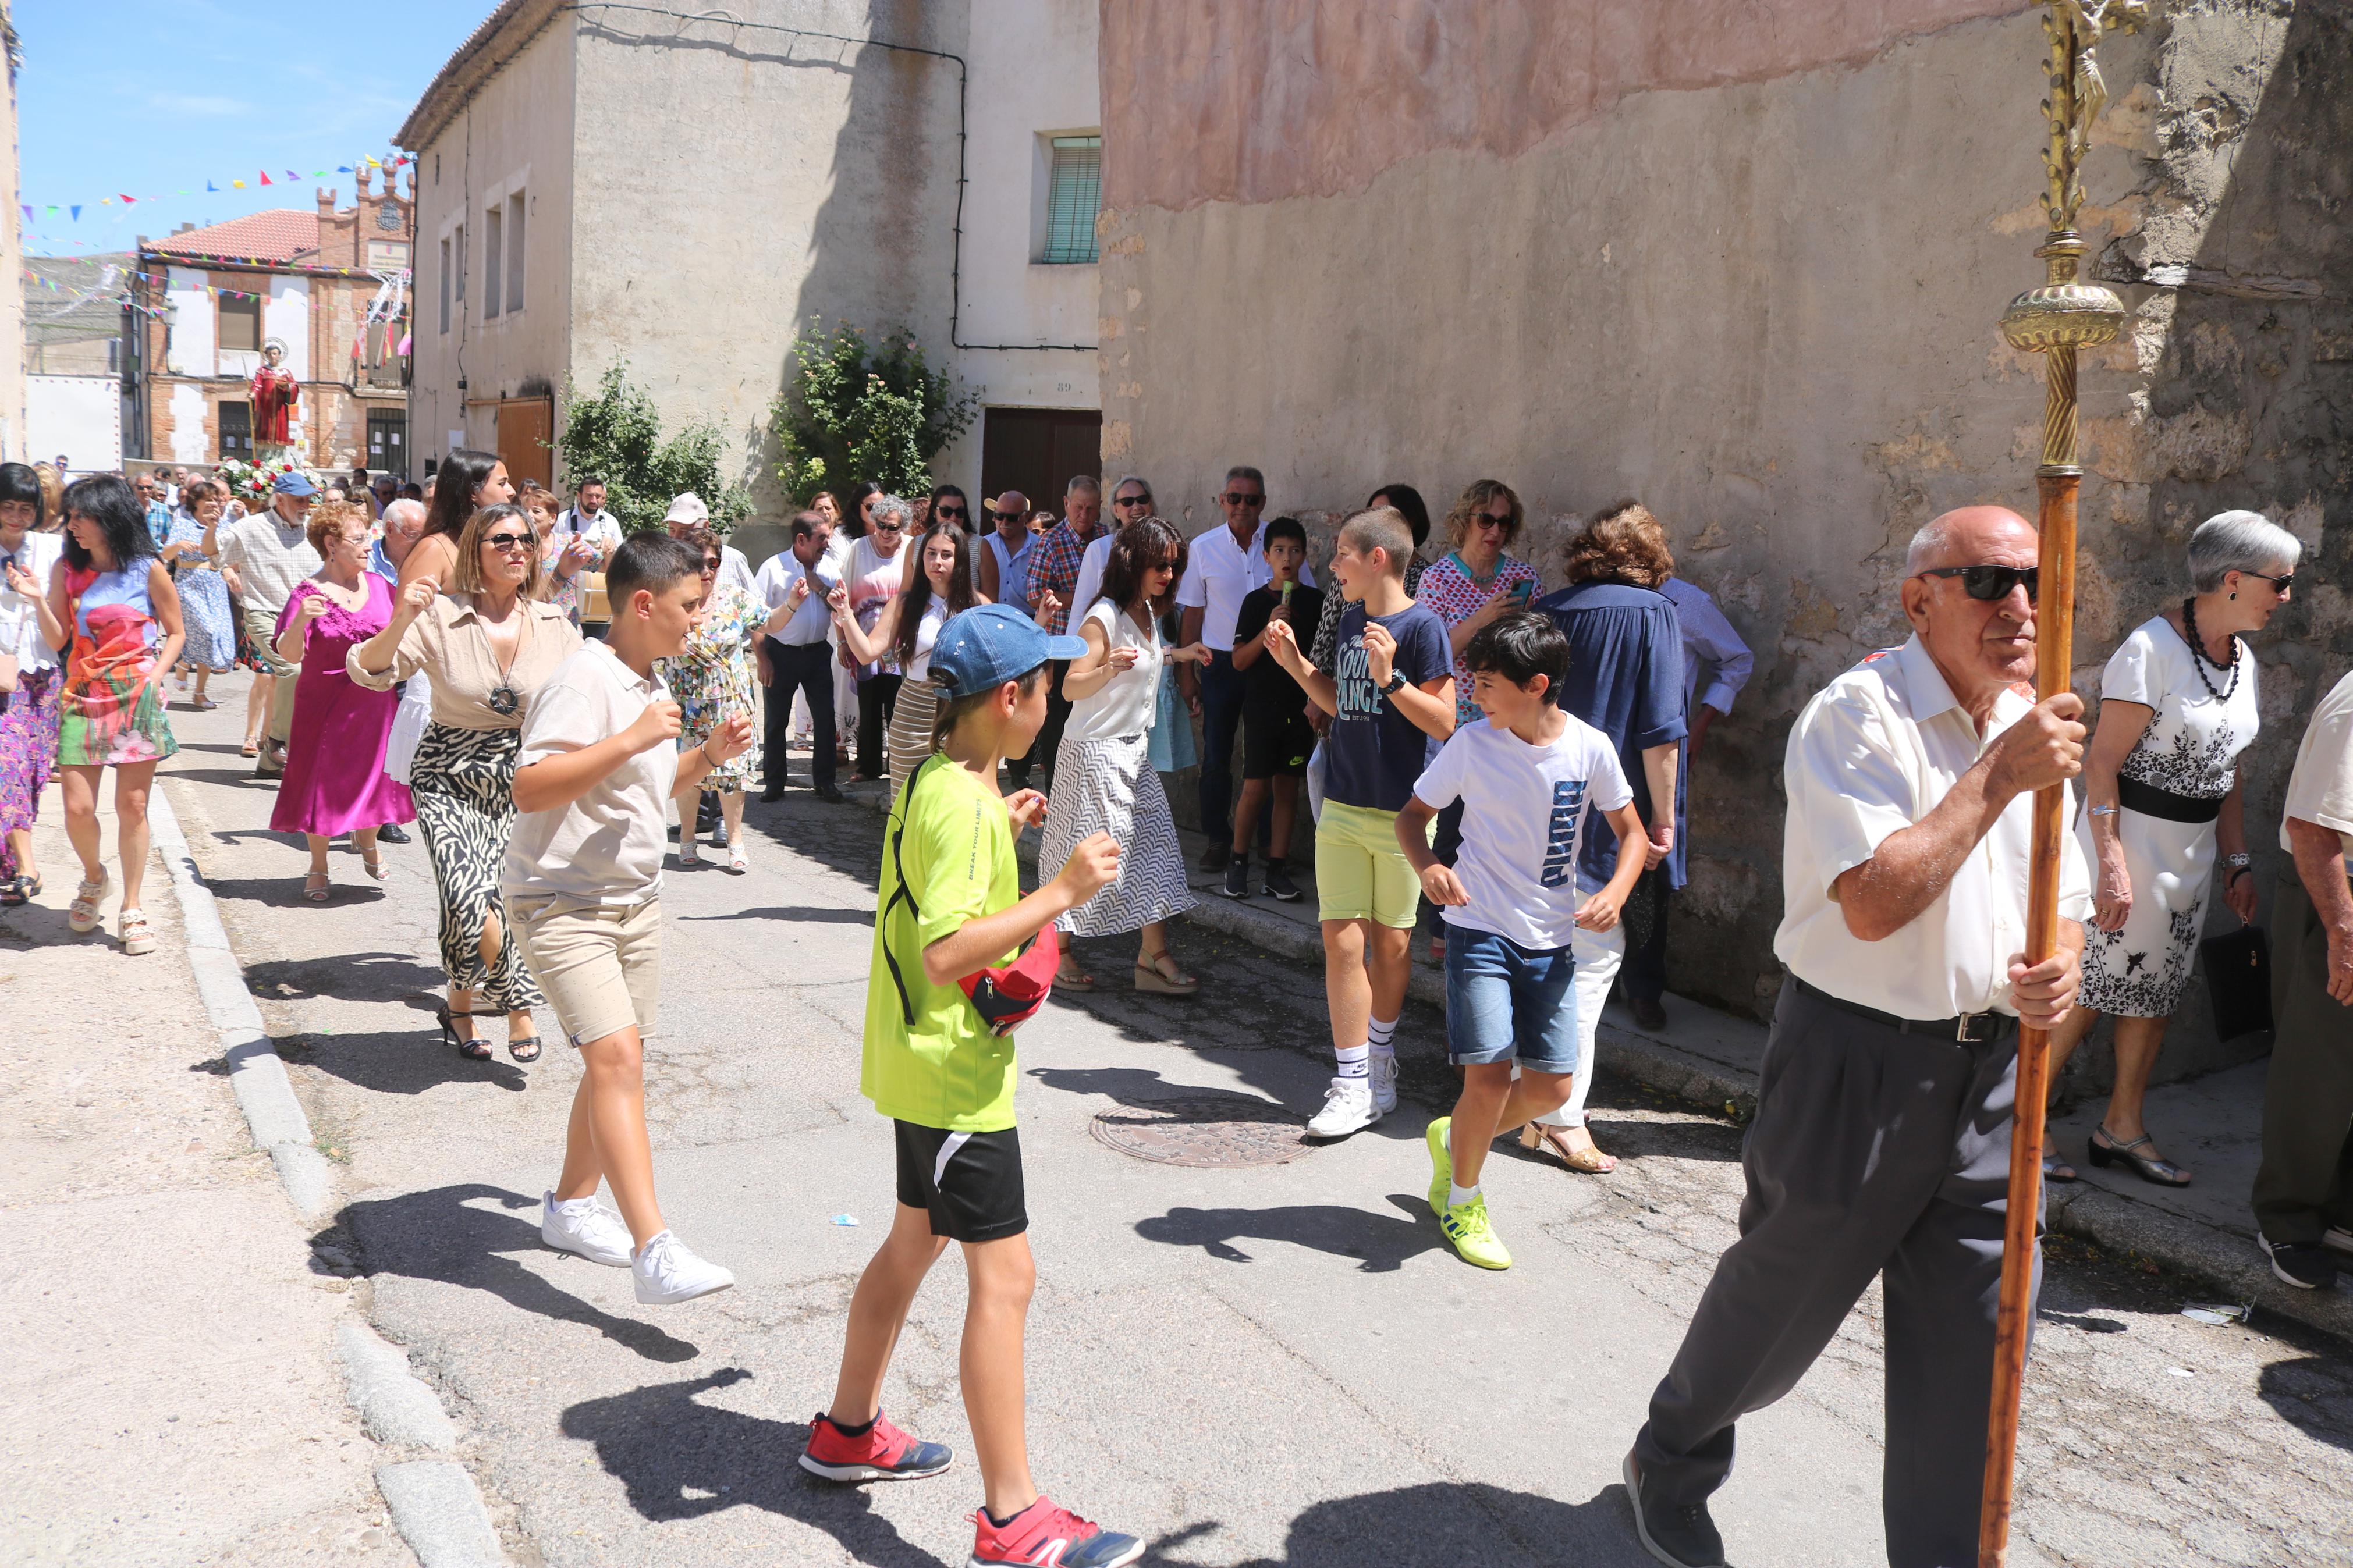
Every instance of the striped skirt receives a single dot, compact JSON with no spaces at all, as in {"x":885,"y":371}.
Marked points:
{"x":463,"y":785}
{"x":909,"y":738}
{"x":1109,"y":786}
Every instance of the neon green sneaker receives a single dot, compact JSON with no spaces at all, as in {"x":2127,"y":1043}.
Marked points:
{"x":1466,"y":1226}
{"x":1441,"y":1165}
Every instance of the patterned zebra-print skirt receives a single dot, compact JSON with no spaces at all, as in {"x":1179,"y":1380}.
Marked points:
{"x":1108,"y":786}
{"x":463,"y":784}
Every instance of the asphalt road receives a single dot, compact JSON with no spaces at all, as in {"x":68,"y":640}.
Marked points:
{"x":1280,"y":1363}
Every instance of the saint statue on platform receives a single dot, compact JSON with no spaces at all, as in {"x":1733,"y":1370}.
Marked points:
{"x":276,"y":397}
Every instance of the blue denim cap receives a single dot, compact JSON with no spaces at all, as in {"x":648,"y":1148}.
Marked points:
{"x":989,"y":645}
{"x":297,"y":483}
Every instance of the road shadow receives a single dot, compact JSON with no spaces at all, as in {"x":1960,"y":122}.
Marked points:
{"x":1440,"y":1524}
{"x":401,"y":1061}
{"x":792,"y":914}
{"x":1379,"y":1243}
{"x":679,"y":1458}
{"x":286,"y":892}
{"x":2311,"y":1394}
{"x":442,"y":1234}
{"x":378,"y":976}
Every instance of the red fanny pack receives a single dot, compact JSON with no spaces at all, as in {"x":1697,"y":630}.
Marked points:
{"x":1006,"y":996}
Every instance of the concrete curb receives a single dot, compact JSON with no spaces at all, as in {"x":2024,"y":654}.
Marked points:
{"x":2223,"y":1262}
{"x":434,"y":1503}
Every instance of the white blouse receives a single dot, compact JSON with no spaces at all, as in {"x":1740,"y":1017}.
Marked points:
{"x":1124,"y":704}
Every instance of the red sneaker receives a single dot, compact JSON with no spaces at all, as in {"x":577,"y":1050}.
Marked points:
{"x":1045,"y":1536}
{"x":880,"y":1453}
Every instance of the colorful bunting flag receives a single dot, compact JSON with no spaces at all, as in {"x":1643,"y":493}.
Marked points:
{"x":126,"y":201}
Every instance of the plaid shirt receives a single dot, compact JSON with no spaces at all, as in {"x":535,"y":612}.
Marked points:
{"x":1054,"y":560}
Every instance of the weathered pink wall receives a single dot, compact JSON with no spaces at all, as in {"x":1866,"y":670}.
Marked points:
{"x":1254,"y":100}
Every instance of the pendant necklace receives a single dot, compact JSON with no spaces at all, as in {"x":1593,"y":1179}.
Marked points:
{"x":2198,"y":659}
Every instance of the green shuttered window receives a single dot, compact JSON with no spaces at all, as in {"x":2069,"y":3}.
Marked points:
{"x":1072,"y":194}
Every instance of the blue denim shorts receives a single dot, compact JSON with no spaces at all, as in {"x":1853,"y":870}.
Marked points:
{"x":1505,"y":1002}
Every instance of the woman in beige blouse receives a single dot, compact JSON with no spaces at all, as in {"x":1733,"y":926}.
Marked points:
{"x":487,"y":646}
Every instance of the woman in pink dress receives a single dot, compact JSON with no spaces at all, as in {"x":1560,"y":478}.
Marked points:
{"x":334,"y":779}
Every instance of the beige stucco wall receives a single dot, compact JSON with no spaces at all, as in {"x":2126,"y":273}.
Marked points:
{"x":1753,"y":282}
{"x":516,"y":133}
{"x":12,"y":299}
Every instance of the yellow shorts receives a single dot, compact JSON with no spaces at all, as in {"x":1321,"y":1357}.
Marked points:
{"x":1360,"y":872}
{"x":598,"y":965}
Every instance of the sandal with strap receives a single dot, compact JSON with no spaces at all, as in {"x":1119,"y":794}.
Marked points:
{"x":1154,"y":975}
{"x":314,"y":887}
{"x":2056,"y":1170}
{"x":524,"y":1050}
{"x":15,"y":890}
{"x":374,"y":865}
{"x":472,"y":1050}
{"x":737,"y":861}
{"x":1586,"y":1162}
{"x":2156,"y":1172}
{"x":136,"y":936}
{"x":82,"y":915}
{"x":1081,"y":982}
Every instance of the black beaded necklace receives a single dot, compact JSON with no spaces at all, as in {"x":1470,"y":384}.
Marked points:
{"x":2198,"y":659}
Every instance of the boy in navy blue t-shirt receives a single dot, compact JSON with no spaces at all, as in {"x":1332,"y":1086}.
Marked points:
{"x":1393,"y":694}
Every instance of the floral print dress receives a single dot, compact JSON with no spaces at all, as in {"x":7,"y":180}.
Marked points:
{"x":112,"y":710}
{"x":204,"y":601}
{"x":712,"y":680}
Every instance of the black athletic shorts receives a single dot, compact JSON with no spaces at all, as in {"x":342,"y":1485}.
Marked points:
{"x":1276,"y":742}
{"x":970,"y":1182}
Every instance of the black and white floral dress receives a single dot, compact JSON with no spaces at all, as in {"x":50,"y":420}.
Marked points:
{"x":2189,"y":750}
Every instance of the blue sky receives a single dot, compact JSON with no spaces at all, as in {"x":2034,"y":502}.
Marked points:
{"x":154,"y":97}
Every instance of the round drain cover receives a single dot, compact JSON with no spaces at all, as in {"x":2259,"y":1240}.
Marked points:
{"x":1207,"y":1130}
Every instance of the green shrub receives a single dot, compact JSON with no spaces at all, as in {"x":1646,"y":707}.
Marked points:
{"x":617,"y":431}
{"x":855,"y":410}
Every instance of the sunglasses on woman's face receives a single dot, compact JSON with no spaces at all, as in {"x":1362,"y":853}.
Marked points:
{"x":893,"y":527}
{"x":509,"y":541}
{"x":952,"y":513}
{"x":2280,"y":585}
{"x":1487,"y":519}
{"x":1132,"y":500}
{"x":1992,"y":583}
{"x":710,"y":565}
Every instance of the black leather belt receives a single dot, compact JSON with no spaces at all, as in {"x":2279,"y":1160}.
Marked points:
{"x":2151,"y":801}
{"x":1972,"y":1028}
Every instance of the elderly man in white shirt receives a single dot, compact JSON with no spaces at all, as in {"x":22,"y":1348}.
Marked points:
{"x":1881,"y":1144}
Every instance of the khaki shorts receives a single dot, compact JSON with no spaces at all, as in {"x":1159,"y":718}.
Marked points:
{"x":598,"y":965}
{"x":1360,"y":872}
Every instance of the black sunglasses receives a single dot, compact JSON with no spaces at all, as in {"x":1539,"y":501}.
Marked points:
{"x":1992,"y":583}
{"x":1009,"y":516}
{"x":1132,"y":500}
{"x":950,"y":512}
{"x":508,"y":541}
{"x":1234,"y":498}
{"x":2279,"y":585}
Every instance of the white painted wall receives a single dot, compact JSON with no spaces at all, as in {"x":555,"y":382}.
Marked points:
{"x":1033,"y":76}
{"x":80,"y":415}
{"x":193,"y":322}
{"x":286,"y":316}
{"x":188,"y":424}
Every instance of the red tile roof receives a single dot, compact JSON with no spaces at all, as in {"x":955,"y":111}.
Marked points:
{"x":279,"y":237}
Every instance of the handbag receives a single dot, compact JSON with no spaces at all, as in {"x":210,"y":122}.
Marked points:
{"x":2238,"y":981}
{"x":1005,"y":996}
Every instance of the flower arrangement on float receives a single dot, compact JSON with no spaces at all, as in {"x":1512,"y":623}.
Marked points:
{"x":251,"y":482}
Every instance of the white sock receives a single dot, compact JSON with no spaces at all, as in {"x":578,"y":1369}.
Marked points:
{"x":1354,"y":1061}
{"x":1382,"y":1036}
{"x":1457,"y":1197}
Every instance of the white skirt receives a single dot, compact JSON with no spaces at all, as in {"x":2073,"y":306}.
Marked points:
{"x":1109,"y":786}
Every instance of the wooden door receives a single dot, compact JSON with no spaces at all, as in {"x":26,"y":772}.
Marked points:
{"x":1037,"y":450}
{"x":526,"y":427}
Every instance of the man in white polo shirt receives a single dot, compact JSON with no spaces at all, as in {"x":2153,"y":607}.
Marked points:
{"x":795,"y":658}
{"x":1221,"y":566}
{"x":1881,"y":1144}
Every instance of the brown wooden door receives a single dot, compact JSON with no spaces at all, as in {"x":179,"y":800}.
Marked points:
{"x":1037,"y":450}
{"x":526,"y":426}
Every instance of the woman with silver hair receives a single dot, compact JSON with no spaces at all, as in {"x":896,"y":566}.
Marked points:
{"x":873,"y":576}
{"x":2161,"y":790}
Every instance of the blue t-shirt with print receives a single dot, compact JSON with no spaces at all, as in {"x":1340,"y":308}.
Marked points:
{"x":1374,"y":753}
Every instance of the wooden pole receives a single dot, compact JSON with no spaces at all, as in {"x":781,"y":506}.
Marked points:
{"x":2057,"y":320}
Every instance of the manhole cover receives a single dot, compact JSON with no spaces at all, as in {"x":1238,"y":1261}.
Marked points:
{"x":1207,"y":1130}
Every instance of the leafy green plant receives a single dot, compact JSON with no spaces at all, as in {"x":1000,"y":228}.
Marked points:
{"x":617,"y":431}
{"x":859,"y":410}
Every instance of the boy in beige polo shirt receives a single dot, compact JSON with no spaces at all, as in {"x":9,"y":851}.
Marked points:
{"x":582,"y":884}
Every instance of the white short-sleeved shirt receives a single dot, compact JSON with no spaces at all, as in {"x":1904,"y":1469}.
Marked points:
{"x":777,"y":574}
{"x":1089,"y":587}
{"x":1219,"y":574}
{"x":2320,"y":789}
{"x":606,"y":847}
{"x":2194,"y":738}
{"x":1871,"y":754}
{"x":271,"y":555}
{"x":736,"y":567}
{"x":20,"y":622}
{"x":1523,"y":811}
{"x":1124,"y":704}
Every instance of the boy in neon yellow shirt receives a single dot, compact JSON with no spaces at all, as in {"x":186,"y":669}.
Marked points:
{"x":950,"y":905}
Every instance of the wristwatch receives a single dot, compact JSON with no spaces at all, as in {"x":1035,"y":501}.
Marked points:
{"x":1396,"y":683}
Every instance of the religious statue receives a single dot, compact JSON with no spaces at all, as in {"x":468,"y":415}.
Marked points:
{"x":276,"y":396}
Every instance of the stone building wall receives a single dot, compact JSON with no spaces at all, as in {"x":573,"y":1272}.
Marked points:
{"x":1745,"y":263}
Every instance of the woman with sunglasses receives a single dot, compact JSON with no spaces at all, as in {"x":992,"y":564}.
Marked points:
{"x":905,"y":632}
{"x":949,"y":504}
{"x":712,"y":682}
{"x":871,"y":577}
{"x":488,"y":645}
{"x":846,"y":536}
{"x":2161,"y":794}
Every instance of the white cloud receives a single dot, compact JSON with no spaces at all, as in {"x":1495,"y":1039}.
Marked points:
{"x":189,"y":103}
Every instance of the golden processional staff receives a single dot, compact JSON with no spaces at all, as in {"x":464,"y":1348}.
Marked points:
{"x":2063,"y":316}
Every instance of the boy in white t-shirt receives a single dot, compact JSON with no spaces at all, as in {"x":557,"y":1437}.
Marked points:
{"x":1526,"y":775}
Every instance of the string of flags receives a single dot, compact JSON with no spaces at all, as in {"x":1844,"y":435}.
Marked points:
{"x":34,"y":211}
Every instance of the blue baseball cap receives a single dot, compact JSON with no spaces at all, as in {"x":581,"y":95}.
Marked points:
{"x":989,"y":645}
{"x":297,"y":483}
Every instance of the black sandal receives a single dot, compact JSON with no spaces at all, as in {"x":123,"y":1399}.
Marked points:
{"x":473,"y":1050}
{"x":14,"y":892}
{"x":525,"y":1050}
{"x":2157,"y":1173}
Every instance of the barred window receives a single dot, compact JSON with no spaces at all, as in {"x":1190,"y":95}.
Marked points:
{"x":1073,"y":191}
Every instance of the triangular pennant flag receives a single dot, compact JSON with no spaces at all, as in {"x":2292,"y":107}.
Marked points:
{"x":28,"y":215}
{"x":211,"y":187}
{"x":292,"y":175}
{"x":127,"y":200}
{"x":77,"y":213}
{"x":266,"y":179}
{"x":51,"y":208}
{"x":106,"y":201}
{"x":318,"y":173}
{"x":343,"y":168}
{"x":239,"y":185}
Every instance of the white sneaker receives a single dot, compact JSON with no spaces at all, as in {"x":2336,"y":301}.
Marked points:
{"x":587,"y":1229}
{"x":668,"y":1272}
{"x":1348,"y":1107}
{"x":2337,"y":1238}
{"x":1384,"y":1077}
